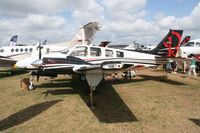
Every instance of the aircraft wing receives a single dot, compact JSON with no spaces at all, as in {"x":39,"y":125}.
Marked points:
{"x":6,"y":61}
{"x":105,"y":66}
{"x":76,"y":65}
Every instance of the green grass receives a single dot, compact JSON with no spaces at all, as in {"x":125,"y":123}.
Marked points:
{"x":148,"y":103}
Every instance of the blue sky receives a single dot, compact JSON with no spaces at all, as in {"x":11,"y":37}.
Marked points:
{"x":178,"y":8}
{"x":144,"y":21}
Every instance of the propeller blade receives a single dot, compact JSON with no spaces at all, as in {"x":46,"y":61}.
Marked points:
{"x":38,"y":76}
{"x":40,"y":57}
{"x":40,"y":50}
{"x":38,"y":73}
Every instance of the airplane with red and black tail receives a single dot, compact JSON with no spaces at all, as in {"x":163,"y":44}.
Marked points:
{"x":94,"y":61}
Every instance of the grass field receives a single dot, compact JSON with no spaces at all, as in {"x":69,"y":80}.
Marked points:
{"x":147,"y":104}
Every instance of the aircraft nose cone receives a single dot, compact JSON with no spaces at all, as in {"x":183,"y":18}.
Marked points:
{"x":37,"y":63}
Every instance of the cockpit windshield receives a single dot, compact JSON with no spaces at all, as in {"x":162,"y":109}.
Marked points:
{"x":189,"y":44}
{"x":198,"y":44}
{"x":79,"y":51}
{"x":65,"y":52}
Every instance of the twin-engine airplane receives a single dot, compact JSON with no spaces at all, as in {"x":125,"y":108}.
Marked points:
{"x":94,"y":62}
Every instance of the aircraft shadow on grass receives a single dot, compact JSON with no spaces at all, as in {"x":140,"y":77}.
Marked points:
{"x":196,"y":121}
{"x":109,"y":107}
{"x":161,"y":79}
{"x":25,"y":114}
{"x":15,"y":73}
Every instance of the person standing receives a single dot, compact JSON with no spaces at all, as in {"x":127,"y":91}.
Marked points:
{"x":184,"y":66}
{"x":174,"y":67}
{"x":192,"y":68}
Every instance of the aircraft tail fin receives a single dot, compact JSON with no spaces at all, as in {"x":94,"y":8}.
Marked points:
{"x":104,"y":43}
{"x":169,"y":45}
{"x":13,"y":41}
{"x":185,"y":40}
{"x":86,"y":33}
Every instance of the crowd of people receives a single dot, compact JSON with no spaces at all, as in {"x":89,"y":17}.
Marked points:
{"x":189,"y":67}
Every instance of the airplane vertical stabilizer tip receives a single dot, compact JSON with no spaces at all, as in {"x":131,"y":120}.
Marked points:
{"x":169,"y":45}
{"x":185,"y":40}
{"x":86,"y":33}
{"x":13,"y":41}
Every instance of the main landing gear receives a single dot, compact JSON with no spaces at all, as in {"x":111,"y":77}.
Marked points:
{"x":31,"y":85}
{"x":93,"y":80}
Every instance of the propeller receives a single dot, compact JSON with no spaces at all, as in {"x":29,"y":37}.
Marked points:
{"x":39,"y":48}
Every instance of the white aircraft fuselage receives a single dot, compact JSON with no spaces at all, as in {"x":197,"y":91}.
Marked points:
{"x":98,"y":55}
{"x":192,"y":47}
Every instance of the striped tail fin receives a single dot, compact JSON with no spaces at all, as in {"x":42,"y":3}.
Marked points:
{"x":185,"y":40}
{"x":168,"y":47}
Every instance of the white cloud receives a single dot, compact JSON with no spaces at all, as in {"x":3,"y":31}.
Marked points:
{"x":120,"y":9}
{"x":43,"y":22}
{"x":21,"y":8}
{"x":122,"y":21}
{"x":35,"y":27}
{"x":190,"y":24}
{"x":39,"y":19}
{"x":89,"y":10}
{"x":168,"y":22}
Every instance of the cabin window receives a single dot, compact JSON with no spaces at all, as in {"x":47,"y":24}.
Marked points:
{"x":12,"y":50}
{"x":190,"y":44}
{"x":95,"y":51}
{"x":16,"y":50}
{"x":1,"y":50}
{"x":109,"y":53}
{"x":47,"y":50}
{"x":26,"y":50}
{"x":30,"y":49}
{"x":120,"y":54}
{"x":80,"y":51}
{"x":21,"y":49}
{"x":65,"y":52}
{"x":198,"y":44}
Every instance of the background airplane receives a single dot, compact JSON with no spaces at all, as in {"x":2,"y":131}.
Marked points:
{"x":142,"y":48}
{"x":6,"y":63}
{"x":191,"y":47}
{"x":23,"y":53}
{"x":185,"y":40}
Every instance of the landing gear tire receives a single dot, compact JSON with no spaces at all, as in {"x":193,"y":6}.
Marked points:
{"x":31,"y":87}
{"x":82,"y":77}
